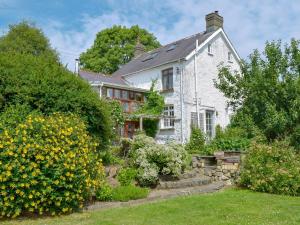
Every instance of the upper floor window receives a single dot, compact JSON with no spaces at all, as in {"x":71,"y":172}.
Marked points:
{"x":167,"y":79}
{"x":229,"y":57}
{"x":168,"y":120}
{"x":209,"y":49}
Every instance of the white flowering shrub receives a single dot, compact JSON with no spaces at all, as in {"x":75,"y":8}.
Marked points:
{"x":154,"y":159}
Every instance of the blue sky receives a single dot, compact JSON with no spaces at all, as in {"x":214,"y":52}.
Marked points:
{"x":71,"y":26}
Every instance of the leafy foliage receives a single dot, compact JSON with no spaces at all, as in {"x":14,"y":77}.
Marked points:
{"x":153,"y":106}
{"x":130,"y":192}
{"x":126,"y":176}
{"x":273,"y":169}
{"x":48,"y":165}
{"x":152,"y":159}
{"x":46,"y":87}
{"x":231,"y":139}
{"x":117,"y":115}
{"x":266,"y":94}
{"x":104,"y":192}
{"x":113,"y":47}
{"x":197,"y":141}
{"x":25,"y":38}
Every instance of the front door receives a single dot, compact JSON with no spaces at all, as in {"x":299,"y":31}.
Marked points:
{"x":130,"y":127}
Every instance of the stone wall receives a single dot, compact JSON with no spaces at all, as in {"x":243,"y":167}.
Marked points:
{"x":223,"y":166}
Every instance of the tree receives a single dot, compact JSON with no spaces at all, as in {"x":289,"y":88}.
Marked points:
{"x":266,"y":93}
{"x":25,"y":38}
{"x":114,"y":47}
{"x":46,"y":87}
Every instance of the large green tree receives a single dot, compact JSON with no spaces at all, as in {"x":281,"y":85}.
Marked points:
{"x":33,"y":81}
{"x":26,"y":38}
{"x":114,"y":47}
{"x":266,"y":93}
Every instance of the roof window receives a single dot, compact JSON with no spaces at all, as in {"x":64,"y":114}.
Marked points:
{"x":171,"y":47}
{"x":151,"y":56}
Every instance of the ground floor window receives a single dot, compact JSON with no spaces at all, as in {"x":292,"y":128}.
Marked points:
{"x":206,"y":122}
{"x":209,"y":122}
{"x":168,"y":120}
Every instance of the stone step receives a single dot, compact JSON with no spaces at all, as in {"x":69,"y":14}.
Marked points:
{"x":189,"y":174}
{"x":183,"y":183}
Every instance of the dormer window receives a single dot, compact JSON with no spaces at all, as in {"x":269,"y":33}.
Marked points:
{"x":209,"y":49}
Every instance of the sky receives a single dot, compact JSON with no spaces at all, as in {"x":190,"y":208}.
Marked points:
{"x":71,"y":26}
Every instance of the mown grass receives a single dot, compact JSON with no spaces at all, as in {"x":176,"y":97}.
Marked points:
{"x":228,"y":207}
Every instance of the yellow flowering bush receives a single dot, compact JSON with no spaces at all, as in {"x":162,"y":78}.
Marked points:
{"x":48,"y":165}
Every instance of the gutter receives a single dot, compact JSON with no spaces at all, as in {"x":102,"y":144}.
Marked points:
{"x":123,"y":87}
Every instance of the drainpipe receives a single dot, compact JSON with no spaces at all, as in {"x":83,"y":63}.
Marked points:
{"x":100,"y":90}
{"x":196,"y":84}
{"x":181,"y":102}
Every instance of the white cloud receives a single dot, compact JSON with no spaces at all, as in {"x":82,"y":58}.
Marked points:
{"x":248,"y":23}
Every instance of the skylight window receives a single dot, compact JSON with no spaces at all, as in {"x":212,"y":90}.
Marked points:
{"x":171,"y":47}
{"x":151,"y":56}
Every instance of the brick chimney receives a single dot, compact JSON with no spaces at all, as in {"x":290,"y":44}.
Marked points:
{"x":213,"y":21}
{"x":139,"y":48}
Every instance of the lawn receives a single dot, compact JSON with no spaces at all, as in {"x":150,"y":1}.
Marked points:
{"x":227,"y":207}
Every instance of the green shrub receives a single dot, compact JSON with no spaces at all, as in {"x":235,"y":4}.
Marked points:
{"x":150,"y":127}
{"x":231,"y":139}
{"x":130,"y":192}
{"x":48,"y":87}
{"x":48,"y":164}
{"x":197,"y":141}
{"x":272,"y":168}
{"x":125,"y":146}
{"x":108,"y":158}
{"x":154,"y":159}
{"x":295,"y":138}
{"x":104,"y":193}
{"x":126,"y":176}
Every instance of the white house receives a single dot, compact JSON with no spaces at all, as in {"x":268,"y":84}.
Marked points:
{"x":185,"y":71}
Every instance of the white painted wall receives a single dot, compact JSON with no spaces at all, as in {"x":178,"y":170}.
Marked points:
{"x":144,"y":80}
{"x":210,"y":97}
{"x":207,"y":71}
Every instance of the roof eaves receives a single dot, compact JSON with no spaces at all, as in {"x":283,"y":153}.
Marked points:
{"x":152,"y":67}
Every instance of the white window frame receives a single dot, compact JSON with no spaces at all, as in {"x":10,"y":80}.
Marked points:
{"x":168,"y":120}
{"x":212,"y":125}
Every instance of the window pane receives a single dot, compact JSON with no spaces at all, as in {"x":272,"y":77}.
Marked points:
{"x":117,"y":93}
{"x":110,"y":92}
{"x":209,"y":122}
{"x":167,"y":79}
{"x":124,"y":94}
{"x":104,"y":91}
{"x":138,"y":97}
{"x":125,"y":106}
{"x":131,"y":95}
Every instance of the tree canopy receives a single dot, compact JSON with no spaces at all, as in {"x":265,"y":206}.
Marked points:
{"x":32,"y":81}
{"x":25,"y":38}
{"x":266,"y":93}
{"x":114,"y":47}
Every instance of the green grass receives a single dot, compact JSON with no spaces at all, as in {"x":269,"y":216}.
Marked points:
{"x":227,"y":207}
{"x":129,"y":192}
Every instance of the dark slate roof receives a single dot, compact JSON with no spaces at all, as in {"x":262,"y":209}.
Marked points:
{"x":98,"y":77}
{"x":168,"y":53}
